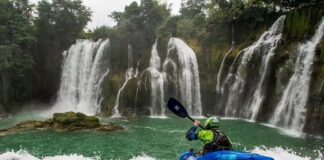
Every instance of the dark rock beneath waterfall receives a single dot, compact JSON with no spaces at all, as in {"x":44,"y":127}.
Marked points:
{"x":68,"y":121}
{"x":74,"y":121}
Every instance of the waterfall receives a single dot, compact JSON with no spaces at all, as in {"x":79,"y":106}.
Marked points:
{"x":187,"y":75}
{"x":258,"y":95}
{"x":220,"y":73}
{"x":221,"y":69}
{"x":130,"y":73}
{"x":84,"y":67}
{"x":290,"y":111}
{"x":265,"y":46}
{"x":155,"y":60}
{"x":156,"y":79}
{"x":157,"y":83}
{"x":157,"y":92}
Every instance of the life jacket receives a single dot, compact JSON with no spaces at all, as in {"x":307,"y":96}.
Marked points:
{"x":220,"y":142}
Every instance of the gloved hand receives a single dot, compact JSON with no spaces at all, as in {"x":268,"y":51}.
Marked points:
{"x":196,"y":123}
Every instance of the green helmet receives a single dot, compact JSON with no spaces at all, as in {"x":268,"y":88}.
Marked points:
{"x":212,"y":122}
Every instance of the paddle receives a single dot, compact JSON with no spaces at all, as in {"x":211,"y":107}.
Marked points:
{"x":177,"y":108}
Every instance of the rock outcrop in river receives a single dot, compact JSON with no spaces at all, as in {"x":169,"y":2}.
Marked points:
{"x":69,"y":121}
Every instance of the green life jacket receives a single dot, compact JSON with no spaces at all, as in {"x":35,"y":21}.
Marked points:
{"x":219,"y":142}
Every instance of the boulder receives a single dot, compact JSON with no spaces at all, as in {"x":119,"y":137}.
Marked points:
{"x":69,"y":121}
{"x":72,"y":121}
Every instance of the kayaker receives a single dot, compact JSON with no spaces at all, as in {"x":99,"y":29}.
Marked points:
{"x":211,"y":136}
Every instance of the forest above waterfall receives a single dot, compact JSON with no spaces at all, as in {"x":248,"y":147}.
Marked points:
{"x":259,"y":60}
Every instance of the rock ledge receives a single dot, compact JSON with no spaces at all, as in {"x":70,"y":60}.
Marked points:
{"x":69,"y":121}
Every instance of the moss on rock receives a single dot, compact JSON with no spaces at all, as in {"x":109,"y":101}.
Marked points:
{"x":110,"y":89}
{"x":69,"y":121}
{"x":128,"y":97}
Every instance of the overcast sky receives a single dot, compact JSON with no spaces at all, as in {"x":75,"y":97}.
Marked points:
{"x":102,"y":8}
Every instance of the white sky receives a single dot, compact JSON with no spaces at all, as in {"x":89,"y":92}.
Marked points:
{"x":102,"y":8}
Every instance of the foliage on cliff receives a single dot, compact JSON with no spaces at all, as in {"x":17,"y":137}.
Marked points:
{"x":58,"y":24}
{"x":16,"y":46}
{"x":31,"y":47}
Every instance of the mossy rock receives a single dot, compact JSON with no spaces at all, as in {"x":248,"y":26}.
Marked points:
{"x":128,"y":98}
{"x":71,"y":120}
{"x":110,"y":89}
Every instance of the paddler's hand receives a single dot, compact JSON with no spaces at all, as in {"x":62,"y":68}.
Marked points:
{"x":196,"y":123}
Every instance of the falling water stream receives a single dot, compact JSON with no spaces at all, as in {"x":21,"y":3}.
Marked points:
{"x":259,"y":93}
{"x":130,"y":73}
{"x":265,"y":46}
{"x":157,"y":83}
{"x":187,"y":80}
{"x":83,"y":67}
{"x":290,"y":111}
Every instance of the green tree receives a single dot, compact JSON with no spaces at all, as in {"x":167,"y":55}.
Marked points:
{"x":101,"y":32}
{"x":141,"y":21}
{"x":290,"y":4}
{"x":58,"y":25}
{"x":15,"y":26}
{"x":169,"y":28}
{"x":137,"y":26}
{"x":193,"y":18}
{"x":16,"y":44}
{"x":62,"y":20}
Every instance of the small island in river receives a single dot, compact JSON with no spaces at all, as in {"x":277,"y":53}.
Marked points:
{"x":69,"y":121}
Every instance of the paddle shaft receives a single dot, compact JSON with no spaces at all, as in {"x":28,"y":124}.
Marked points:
{"x":194,"y":121}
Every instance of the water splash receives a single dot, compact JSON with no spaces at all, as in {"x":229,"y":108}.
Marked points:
{"x":187,"y":74}
{"x":142,"y":157}
{"x":290,"y":111}
{"x":85,"y":64}
{"x":130,"y":73}
{"x":25,"y":155}
{"x":278,"y":153}
{"x":237,"y":80}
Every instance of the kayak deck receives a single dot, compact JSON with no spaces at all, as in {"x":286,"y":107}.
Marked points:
{"x":225,"y":155}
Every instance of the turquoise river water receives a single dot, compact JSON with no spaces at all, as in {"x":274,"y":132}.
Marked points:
{"x":149,"y":138}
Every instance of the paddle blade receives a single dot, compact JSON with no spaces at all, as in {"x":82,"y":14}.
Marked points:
{"x":177,"y":108}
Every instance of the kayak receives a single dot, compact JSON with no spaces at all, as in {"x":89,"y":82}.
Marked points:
{"x":224,"y":155}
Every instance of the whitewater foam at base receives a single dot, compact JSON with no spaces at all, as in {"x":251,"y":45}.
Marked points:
{"x":24,"y":155}
{"x":143,"y":157}
{"x":278,"y":153}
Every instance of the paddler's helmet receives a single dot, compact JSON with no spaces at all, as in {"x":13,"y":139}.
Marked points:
{"x":211,"y":122}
